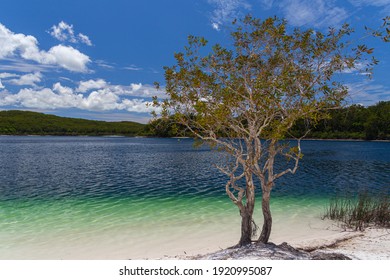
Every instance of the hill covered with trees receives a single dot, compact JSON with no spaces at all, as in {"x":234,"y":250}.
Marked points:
{"x":31,"y":123}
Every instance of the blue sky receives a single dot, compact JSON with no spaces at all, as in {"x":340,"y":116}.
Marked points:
{"x":99,"y":59}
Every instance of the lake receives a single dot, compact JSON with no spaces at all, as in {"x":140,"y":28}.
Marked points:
{"x":117,"y":197}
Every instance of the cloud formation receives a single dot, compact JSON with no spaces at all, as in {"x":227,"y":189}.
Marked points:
{"x":91,"y":95}
{"x":319,"y":13}
{"x":377,"y":3}
{"x":26,"y":47}
{"x":64,"y":32}
{"x":226,"y":11}
{"x":85,"y":86}
{"x":26,"y":80}
{"x":368,"y":93}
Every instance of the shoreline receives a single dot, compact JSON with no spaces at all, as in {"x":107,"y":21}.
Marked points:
{"x":370,"y":244}
{"x":179,"y":137}
{"x":343,"y":140}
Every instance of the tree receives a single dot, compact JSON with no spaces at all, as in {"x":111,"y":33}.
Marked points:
{"x":244,"y":99}
{"x":377,"y":124}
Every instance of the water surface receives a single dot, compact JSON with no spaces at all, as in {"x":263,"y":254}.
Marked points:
{"x":88,"y":197}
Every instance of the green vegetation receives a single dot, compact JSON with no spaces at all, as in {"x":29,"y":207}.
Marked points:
{"x":32,"y":123}
{"x":166,"y":127}
{"x":360,"y":212}
{"x":353,"y":122}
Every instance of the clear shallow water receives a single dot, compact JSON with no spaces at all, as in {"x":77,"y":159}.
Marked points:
{"x":131,"y":194}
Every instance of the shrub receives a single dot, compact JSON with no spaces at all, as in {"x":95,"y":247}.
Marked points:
{"x":361,"y":211}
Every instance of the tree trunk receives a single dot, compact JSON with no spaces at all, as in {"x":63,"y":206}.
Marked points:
{"x":246,"y":212}
{"x":246,"y":228}
{"x":267,"y":225}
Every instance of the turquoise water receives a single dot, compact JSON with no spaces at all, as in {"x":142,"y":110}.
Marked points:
{"x":81,"y":197}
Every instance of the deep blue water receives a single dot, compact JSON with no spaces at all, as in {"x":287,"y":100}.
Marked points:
{"x":66,"y":167}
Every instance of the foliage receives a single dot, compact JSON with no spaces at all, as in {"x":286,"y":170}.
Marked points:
{"x":360,"y":212}
{"x":165,"y":127}
{"x":31,"y":123}
{"x":353,"y":122}
{"x":259,"y":88}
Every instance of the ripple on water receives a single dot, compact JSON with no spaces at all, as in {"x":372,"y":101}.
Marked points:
{"x":67,"y":193}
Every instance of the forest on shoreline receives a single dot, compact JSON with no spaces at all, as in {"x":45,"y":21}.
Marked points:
{"x":353,"y":122}
{"x":32,"y":123}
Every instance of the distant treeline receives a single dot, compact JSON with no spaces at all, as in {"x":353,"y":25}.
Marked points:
{"x":32,"y":123}
{"x":353,"y":122}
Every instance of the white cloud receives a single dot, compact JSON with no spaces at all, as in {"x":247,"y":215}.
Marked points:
{"x":134,"y":105}
{"x":30,"y":98}
{"x":319,"y":13}
{"x":7,"y":75}
{"x":84,"y":39}
{"x":377,"y":3}
{"x":27,"y":80}
{"x":64,"y":32}
{"x":68,"y":58}
{"x":91,"y":95}
{"x":226,"y":11}
{"x":58,"y":88}
{"x":133,"y":68}
{"x":368,"y":93}
{"x":100,"y":100}
{"x":21,"y":65}
{"x":63,"y":97}
{"x":135,"y":90}
{"x":216,"y":26}
{"x":104,"y":64}
{"x":1,"y":85}
{"x":135,"y":87}
{"x":85,"y":86}
{"x":26,"y":46}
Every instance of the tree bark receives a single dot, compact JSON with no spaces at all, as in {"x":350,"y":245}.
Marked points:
{"x":246,"y":213}
{"x":267,"y":225}
{"x":246,"y":228}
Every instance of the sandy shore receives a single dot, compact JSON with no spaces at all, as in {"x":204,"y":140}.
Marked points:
{"x":371,"y":244}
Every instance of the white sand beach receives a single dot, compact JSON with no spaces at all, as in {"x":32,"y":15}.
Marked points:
{"x":370,"y":244}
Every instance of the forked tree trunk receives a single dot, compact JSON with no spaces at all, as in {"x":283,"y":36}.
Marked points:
{"x":246,"y":212}
{"x":267,"y":225}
